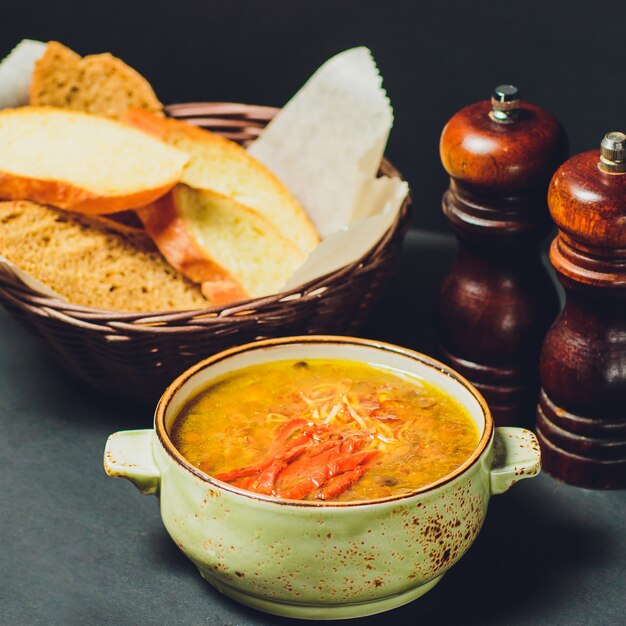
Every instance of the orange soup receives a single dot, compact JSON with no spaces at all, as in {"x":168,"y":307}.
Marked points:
{"x":324,"y":430}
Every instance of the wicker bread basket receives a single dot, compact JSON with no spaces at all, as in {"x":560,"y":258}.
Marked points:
{"x":137,"y":355}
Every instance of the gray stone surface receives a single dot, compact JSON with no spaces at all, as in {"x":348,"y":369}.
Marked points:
{"x":79,"y":548}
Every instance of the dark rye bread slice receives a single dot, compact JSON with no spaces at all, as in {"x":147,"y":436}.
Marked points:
{"x":92,"y":262}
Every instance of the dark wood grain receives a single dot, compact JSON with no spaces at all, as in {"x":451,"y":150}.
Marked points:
{"x":497,"y":302}
{"x":581,"y":418}
{"x":503,"y":159}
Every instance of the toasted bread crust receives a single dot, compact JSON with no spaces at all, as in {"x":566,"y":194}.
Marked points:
{"x":168,"y":230}
{"x":71,"y":198}
{"x":68,"y":195}
{"x":169,"y":130}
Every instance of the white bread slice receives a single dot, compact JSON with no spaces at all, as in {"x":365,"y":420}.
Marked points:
{"x":99,"y":83}
{"x":91,"y":263}
{"x":232,"y":250}
{"x":221,"y":165}
{"x":82,"y":162}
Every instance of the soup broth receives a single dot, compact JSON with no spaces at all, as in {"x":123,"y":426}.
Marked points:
{"x":324,"y":430}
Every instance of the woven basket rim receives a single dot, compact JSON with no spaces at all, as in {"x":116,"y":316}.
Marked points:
{"x":89,"y":317}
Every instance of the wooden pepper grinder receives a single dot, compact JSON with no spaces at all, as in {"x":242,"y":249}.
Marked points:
{"x":498,"y":300}
{"x":581,"y":418}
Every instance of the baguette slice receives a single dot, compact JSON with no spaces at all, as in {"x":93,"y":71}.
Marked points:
{"x":221,"y":165}
{"x":82,"y":162}
{"x":91,"y":264}
{"x":230,"y":249}
{"x":99,"y":83}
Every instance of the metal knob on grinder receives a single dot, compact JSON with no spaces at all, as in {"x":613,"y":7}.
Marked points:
{"x":613,"y":153}
{"x":505,"y":103}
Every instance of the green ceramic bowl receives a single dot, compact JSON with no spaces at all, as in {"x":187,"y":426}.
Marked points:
{"x":322,"y":560}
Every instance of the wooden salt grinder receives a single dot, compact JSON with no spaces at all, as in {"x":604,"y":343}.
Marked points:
{"x":581,"y":418}
{"x":498,"y":301}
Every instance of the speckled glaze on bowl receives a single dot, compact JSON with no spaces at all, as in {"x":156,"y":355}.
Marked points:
{"x":321,"y":560}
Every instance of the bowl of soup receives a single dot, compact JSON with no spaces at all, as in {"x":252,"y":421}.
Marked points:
{"x":322,"y":477}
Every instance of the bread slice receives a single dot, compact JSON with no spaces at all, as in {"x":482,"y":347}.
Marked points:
{"x":91,"y":264}
{"x":82,"y":162}
{"x":221,"y":165}
{"x":54,"y":76}
{"x":100,"y":83}
{"x":216,"y":241}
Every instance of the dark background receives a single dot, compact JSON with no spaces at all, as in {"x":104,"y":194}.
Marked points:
{"x":79,"y":548}
{"x":436,"y":57}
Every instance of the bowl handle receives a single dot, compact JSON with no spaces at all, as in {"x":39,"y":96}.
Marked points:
{"x":516,"y":457}
{"x":128,"y":454}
